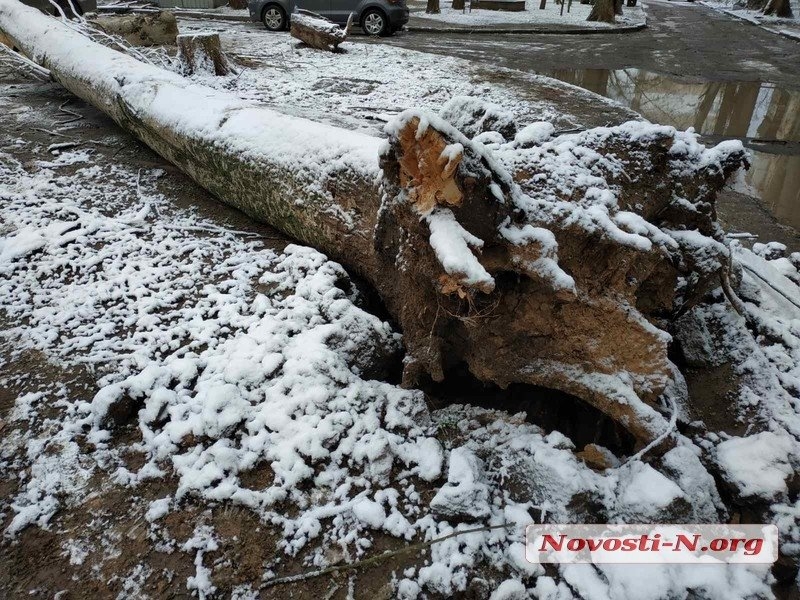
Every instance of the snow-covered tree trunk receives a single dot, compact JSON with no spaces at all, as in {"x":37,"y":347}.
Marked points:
{"x":317,"y":31}
{"x":481,"y":257}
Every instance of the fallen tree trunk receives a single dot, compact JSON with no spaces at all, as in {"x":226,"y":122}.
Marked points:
{"x":140,"y":29}
{"x":318,"y":32}
{"x":547,"y":262}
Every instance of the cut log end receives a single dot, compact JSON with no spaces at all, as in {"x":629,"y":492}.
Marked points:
{"x":318,"y":32}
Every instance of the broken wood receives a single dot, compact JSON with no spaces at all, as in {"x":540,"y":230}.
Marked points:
{"x":318,"y":32}
{"x":201,"y":52}
{"x":480,"y":259}
{"x":155,"y":29}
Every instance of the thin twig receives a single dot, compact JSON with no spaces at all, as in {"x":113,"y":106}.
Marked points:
{"x":50,"y":132}
{"x":380,"y":557}
{"x":762,"y":278}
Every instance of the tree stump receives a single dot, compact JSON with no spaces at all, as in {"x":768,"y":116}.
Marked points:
{"x":317,"y":31}
{"x":201,"y":52}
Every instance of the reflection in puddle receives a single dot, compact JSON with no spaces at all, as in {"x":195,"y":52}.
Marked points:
{"x":765,"y":118}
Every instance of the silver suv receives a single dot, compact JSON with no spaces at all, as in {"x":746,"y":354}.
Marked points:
{"x":376,"y":17}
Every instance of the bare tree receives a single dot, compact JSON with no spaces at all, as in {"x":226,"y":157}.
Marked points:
{"x":779,"y":8}
{"x":432,"y":7}
{"x":603,"y":10}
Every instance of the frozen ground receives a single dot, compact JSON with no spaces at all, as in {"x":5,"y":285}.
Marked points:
{"x":532,"y":15}
{"x":366,"y":84}
{"x":188,"y":405}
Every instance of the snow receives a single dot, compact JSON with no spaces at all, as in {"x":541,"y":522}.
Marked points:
{"x":646,"y":488}
{"x":364,"y":85}
{"x":204,"y":115}
{"x":535,"y":133}
{"x":240,"y":357}
{"x":451,"y":243}
{"x":510,"y":589}
{"x":759,"y":464}
{"x":532,"y":15}
{"x":466,"y":494}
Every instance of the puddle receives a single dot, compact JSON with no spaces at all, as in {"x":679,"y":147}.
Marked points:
{"x":766,"y":118}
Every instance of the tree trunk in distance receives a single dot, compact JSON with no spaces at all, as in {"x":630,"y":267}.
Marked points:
{"x":618,"y":7}
{"x":432,"y":7}
{"x":779,"y":8}
{"x":458,"y":4}
{"x":603,"y":11}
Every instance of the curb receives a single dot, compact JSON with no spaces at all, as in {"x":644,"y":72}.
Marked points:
{"x":568,"y":31}
{"x":187,"y":14}
{"x":732,"y":13}
{"x":194,"y":14}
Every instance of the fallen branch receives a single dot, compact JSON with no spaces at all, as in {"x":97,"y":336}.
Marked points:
{"x":25,"y":65}
{"x":380,"y":557}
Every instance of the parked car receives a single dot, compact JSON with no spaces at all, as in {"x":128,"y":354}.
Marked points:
{"x":375,"y":17}
{"x":80,"y":6}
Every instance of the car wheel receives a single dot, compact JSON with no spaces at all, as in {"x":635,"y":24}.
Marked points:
{"x":374,"y":22}
{"x":274,"y":18}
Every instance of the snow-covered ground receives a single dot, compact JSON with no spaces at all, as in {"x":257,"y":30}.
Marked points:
{"x":222,"y":357}
{"x":532,"y":15}
{"x":222,"y":369}
{"x":367,"y":84}
{"x":788,"y":27}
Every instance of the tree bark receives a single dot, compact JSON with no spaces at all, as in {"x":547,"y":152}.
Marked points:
{"x":317,"y":31}
{"x":140,"y":29}
{"x":478,"y":258}
{"x":603,"y":11}
{"x":458,"y":4}
{"x":201,"y":52}
{"x":618,"y":7}
{"x":432,"y":7}
{"x":778,"y":8}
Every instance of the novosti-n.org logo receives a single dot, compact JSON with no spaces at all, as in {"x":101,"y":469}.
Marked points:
{"x":652,"y":544}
